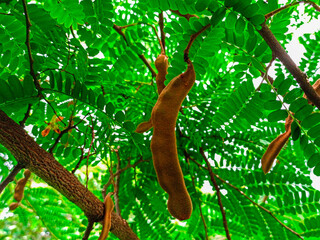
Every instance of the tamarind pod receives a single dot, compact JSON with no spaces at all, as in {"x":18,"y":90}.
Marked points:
{"x":161,"y":64}
{"x":13,"y":206}
{"x":18,"y":191}
{"x":163,"y":144}
{"x":27,"y":173}
{"x":144,"y":126}
{"x":275,"y":147}
{"x":108,"y":207}
{"x":162,"y":67}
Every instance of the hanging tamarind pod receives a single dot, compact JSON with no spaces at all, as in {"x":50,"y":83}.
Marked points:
{"x":275,"y":147}
{"x":163,"y":144}
{"x":19,"y":189}
{"x":108,"y":208}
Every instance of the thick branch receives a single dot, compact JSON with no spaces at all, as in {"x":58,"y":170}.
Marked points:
{"x":29,"y":154}
{"x":187,"y":16}
{"x":283,"y":56}
{"x":225,"y":222}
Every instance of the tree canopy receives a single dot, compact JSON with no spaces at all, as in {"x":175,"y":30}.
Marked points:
{"x":78,"y":77}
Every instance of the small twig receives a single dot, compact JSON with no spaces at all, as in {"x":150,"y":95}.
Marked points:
{"x":26,"y":116}
{"x":121,"y":171}
{"x":192,"y":38}
{"x":10,"y":177}
{"x":60,"y":136}
{"x":31,"y":61}
{"x":187,"y":16}
{"x":225,"y":222}
{"x":117,"y":184}
{"x":162,"y":33}
{"x":88,"y":230}
{"x":91,"y":143}
{"x":274,"y":12}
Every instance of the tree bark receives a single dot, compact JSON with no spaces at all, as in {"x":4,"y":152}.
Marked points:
{"x":30,"y":155}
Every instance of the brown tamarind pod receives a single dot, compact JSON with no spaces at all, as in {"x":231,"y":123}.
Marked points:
{"x":275,"y":147}
{"x":27,"y":173}
{"x":18,"y":191}
{"x":108,"y":208}
{"x":13,"y":206}
{"x":163,"y":144}
{"x":162,"y":67}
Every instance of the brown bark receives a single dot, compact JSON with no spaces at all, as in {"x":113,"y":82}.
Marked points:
{"x":283,"y":56}
{"x":30,"y":155}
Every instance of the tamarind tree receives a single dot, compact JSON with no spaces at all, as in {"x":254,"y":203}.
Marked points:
{"x":78,"y":77}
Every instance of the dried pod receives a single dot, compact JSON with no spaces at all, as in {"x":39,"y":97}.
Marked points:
{"x":13,"y":206}
{"x":108,"y":208}
{"x":275,"y":147}
{"x":18,"y":191}
{"x":163,"y":144}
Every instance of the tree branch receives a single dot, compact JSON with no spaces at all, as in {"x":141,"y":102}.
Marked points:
{"x":225,"y":222}
{"x":162,"y":33}
{"x":117,"y":184}
{"x":88,"y":230}
{"x":187,"y":16}
{"x":29,"y":154}
{"x":283,"y":56}
{"x":274,"y":12}
{"x":10,"y":177}
{"x":141,"y":56}
{"x":26,"y":116}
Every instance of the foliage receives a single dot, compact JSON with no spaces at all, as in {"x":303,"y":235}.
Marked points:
{"x":94,"y":78}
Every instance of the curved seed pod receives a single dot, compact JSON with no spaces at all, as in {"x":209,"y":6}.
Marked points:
{"x":18,"y":191}
{"x":108,"y":207}
{"x":163,"y":144}
{"x":13,"y":206}
{"x":27,"y":173}
{"x":162,"y":67}
{"x":275,"y":147}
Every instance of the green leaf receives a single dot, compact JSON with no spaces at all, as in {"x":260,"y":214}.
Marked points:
{"x":310,"y":120}
{"x":316,"y":170}
{"x":16,"y":86}
{"x":304,"y":112}
{"x":92,"y":97}
{"x":129,"y":126}
{"x":298,"y":104}
{"x":277,"y":115}
{"x":5,"y":91}
{"x":240,"y":25}
{"x":101,"y":102}
{"x":272,"y":105}
{"x":120,"y":116}
{"x":231,"y":20}
{"x":110,"y":108}
{"x":292,"y":95}
{"x":257,"y":19}
{"x":28,"y":86}
{"x":314,"y":160}
{"x":251,"y":10}
{"x":201,"y":5}
{"x":295,"y":131}
{"x":68,"y":85}
{"x":314,"y":131}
